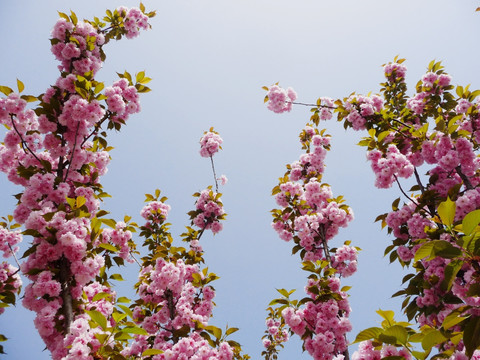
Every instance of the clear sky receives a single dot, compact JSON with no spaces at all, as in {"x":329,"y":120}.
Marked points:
{"x":209,"y":60}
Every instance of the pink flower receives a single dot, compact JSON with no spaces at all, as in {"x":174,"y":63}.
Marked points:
{"x":223,"y":179}
{"x":279,"y":99}
{"x":210,"y":143}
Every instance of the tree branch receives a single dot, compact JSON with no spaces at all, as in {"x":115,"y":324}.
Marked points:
{"x":214,"y":174}
{"x":465,"y":179}
{"x":403,"y":192}
{"x":15,"y":257}
{"x":67,"y":306}
{"x":73,"y":153}
{"x":24,"y":143}
{"x":97,"y":126}
{"x":313,"y":105}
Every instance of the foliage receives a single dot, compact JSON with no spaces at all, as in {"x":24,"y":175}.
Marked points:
{"x":436,"y":130}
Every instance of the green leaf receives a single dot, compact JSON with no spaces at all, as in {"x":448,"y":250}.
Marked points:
{"x":20,"y":86}
{"x":126,"y":310}
{"x":98,"y":318}
{"x":99,"y":87}
{"x":109,"y":222}
{"x":118,"y":316}
{"x":230,"y":331}
{"x":470,"y":222}
{"x":117,"y":277}
{"x":445,"y":249}
{"x":73,"y":17}
{"x":64,"y":16}
{"x":29,"y":98}
{"x":471,"y":335}
{"x":101,"y":338}
{"x":101,"y":295}
{"x":108,"y":247}
{"x":452,"y":319}
{"x":398,"y":332}
{"x":139,"y":77}
{"x":451,"y":271}
{"x":150,"y":352}
{"x":446,"y":211}
{"x":6,"y":90}
{"x":134,"y":330}
{"x":459,"y":91}
{"x":387,"y":315}
{"x":432,"y":338}
{"x":215,"y":331}
{"x":80,"y":201}
{"x":368,"y":334}
{"x":283,"y":292}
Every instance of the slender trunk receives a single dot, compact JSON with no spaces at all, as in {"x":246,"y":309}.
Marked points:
{"x":66,"y":294}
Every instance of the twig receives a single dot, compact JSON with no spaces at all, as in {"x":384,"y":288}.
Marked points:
{"x":73,"y":153}
{"x":314,"y":105}
{"x":465,"y":179}
{"x":401,"y":122}
{"x":419,"y":182}
{"x":24,"y":143}
{"x":403,"y":192}
{"x":214,"y":174}
{"x":97,"y":126}
{"x":321,"y":233}
{"x":134,"y":258}
{"x":15,"y":257}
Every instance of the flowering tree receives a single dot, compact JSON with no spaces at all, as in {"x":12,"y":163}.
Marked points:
{"x":435,"y":229}
{"x":58,"y":152}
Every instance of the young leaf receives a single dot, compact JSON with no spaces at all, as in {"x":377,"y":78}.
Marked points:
{"x":98,"y":318}
{"x":368,"y":334}
{"x":446,"y":211}
{"x":20,"y":86}
{"x":470,"y":222}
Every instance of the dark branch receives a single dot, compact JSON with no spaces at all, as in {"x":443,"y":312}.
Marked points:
{"x":25,"y":146}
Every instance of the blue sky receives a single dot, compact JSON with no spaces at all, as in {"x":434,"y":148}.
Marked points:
{"x":208,"y":60}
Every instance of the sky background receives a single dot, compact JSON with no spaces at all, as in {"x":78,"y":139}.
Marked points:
{"x":208,"y":60}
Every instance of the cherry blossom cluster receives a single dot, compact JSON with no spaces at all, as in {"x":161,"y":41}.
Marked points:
{"x":311,"y":216}
{"x":345,"y":260}
{"x":134,"y":20}
{"x":277,"y":333}
{"x":9,"y":240}
{"x":175,"y":301}
{"x":170,"y":287}
{"x":192,"y":347}
{"x":279,"y":99}
{"x":388,"y":168}
{"x":55,"y":154}
{"x":120,"y":237}
{"x":210,"y":143}
{"x":155,"y":212}
{"x":366,"y":351}
{"x":453,"y":175}
{"x":80,"y":342}
{"x":10,"y":284}
{"x":208,"y":211}
{"x":432,"y":127}
{"x":77,"y":47}
{"x":395,"y":71}
{"x":361,"y":108}
{"x":317,"y":216}
{"x":122,"y":100}
{"x":326,"y":321}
